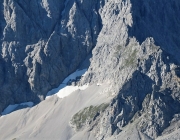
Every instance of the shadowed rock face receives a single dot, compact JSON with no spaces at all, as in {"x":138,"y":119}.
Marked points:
{"x":135,"y":49}
{"x":157,"y":20}
{"x":41,"y":43}
{"x":177,"y":71}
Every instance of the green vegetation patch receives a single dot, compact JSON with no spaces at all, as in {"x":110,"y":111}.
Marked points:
{"x":131,"y":59}
{"x":86,"y":115}
{"x":118,"y":50}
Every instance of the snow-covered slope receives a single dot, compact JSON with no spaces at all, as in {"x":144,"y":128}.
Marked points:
{"x":50,"y":119}
{"x":64,"y":89}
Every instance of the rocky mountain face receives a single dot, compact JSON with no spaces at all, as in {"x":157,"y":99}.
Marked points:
{"x":135,"y":51}
{"x":41,"y":43}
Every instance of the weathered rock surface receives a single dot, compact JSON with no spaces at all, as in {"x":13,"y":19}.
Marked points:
{"x":149,"y":93}
{"x":142,"y":71}
{"x":41,"y":43}
{"x":136,"y":51}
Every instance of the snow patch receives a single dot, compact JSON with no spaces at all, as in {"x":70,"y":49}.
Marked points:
{"x":98,"y":84}
{"x":12,"y":108}
{"x":64,"y":90}
{"x":69,"y":89}
{"x":74,"y":75}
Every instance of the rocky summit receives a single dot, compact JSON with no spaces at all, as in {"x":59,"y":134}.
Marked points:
{"x":94,"y":69}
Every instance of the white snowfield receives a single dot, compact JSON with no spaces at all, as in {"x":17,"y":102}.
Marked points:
{"x":11,"y":108}
{"x":67,"y":90}
{"x":64,"y":90}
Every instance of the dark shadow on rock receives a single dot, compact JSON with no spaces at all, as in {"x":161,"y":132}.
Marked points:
{"x":130,"y":101}
{"x":177,"y":71}
{"x":2,"y":21}
{"x":138,"y":87}
{"x":165,"y":107}
{"x":159,"y":20}
{"x":130,"y":98}
{"x":86,"y":63}
{"x":15,"y":107}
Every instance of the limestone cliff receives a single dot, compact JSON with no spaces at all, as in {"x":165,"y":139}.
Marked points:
{"x":135,"y":50}
{"x":41,"y":43}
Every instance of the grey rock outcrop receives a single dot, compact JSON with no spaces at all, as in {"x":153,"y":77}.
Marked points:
{"x":142,"y":71}
{"x":149,"y":93}
{"x":135,"y":50}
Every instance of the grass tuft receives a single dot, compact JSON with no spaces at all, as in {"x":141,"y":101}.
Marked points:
{"x":87,"y":115}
